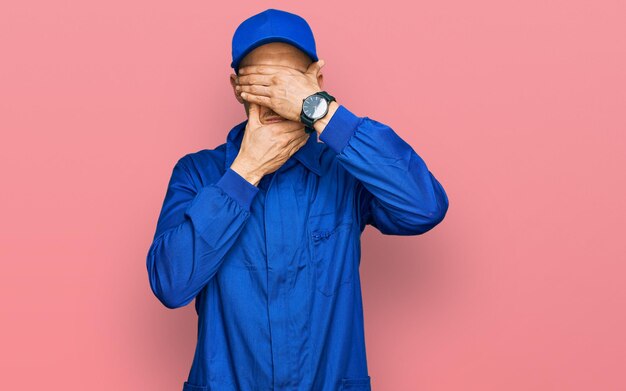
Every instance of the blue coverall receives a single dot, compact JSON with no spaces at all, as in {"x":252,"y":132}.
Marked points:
{"x":274,"y":269}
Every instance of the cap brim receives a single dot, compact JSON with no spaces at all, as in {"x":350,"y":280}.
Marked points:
{"x":235,"y":63}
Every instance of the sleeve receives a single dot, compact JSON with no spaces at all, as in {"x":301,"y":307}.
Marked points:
{"x":396,"y":193}
{"x":194,"y":231}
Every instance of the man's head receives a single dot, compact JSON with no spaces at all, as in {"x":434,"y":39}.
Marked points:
{"x":272,"y":37}
{"x":274,"y":53}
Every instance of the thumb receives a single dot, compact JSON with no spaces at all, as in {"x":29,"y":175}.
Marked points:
{"x":253,"y":114}
{"x":315,"y":67}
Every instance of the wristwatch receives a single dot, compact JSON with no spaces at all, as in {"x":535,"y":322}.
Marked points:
{"x":314,"y":107}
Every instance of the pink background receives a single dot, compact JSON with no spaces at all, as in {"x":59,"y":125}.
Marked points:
{"x":518,"y":108}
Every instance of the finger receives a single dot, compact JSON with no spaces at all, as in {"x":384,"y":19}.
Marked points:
{"x":258,"y":99}
{"x":256,"y":90}
{"x":254,"y":116}
{"x":295,"y":138}
{"x":261,"y":69}
{"x":264,"y":80}
{"x":287,"y":126}
{"x":297,"y":142}
{"x":290,"y":126}
{"x":315,"y":67}
{"x":268,"y":70}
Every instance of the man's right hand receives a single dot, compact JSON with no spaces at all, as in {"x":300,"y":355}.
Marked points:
{"x":265,"y":148}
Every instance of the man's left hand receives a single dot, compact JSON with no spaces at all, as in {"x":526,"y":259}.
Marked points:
{"x":279,"y":88}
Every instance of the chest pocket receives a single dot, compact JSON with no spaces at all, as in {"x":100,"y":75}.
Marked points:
{"x":332,"y":250}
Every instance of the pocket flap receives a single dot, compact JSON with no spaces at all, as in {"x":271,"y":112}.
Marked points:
{"x":194,"y":387}
{"x":356,"y":383}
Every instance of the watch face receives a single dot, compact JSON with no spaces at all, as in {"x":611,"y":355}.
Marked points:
{"x":315,"y":106}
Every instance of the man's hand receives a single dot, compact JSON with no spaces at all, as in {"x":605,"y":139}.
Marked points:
{"x":280,"y":88}
{"x":265,"y":148}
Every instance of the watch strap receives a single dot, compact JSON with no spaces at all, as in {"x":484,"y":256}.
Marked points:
{"x":329,"y":98}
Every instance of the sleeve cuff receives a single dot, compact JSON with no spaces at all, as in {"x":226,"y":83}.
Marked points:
{"x":238,"y":188}
{"x":340,"y":129}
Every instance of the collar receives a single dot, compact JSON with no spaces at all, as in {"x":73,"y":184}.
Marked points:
{"x":308,"y":154}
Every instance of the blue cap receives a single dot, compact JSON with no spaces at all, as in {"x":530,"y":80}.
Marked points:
{"x":272,"y":25}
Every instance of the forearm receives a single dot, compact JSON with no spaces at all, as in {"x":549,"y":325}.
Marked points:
{"x":194,"y":232}
{"x":405,"y":196}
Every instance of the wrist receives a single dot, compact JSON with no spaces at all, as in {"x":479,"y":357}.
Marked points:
{"x":321,"y":123}
{"x":246,"y":172}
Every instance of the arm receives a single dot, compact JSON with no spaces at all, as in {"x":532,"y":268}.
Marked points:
{"x":397,"y":194}
{"x":195,"y":229}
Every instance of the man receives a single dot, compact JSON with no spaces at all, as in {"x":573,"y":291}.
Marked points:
{"x":264,"y":230}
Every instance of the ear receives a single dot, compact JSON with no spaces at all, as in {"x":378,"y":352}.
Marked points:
{"x":233,"y":83}
{"x":320,"y":80}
